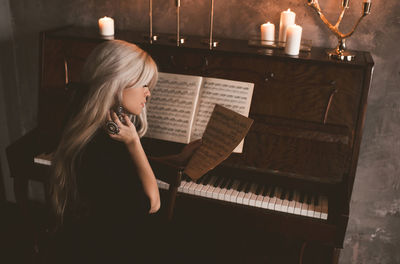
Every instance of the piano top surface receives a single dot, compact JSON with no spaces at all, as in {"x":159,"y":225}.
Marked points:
{"x":236,"y":46}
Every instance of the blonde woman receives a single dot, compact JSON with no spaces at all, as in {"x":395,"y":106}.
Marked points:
{"x":103,"y":187}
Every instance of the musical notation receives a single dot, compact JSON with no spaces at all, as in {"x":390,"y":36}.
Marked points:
{"x":223,"y":133}
{"x":183,"y":104}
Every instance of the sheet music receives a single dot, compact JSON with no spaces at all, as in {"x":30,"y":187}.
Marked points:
{"x":233,"y":95}
{"x":224,"y":131}
{"x":172,"y":106}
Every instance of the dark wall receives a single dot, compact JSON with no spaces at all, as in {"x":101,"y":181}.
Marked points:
{"x":374,"y":229}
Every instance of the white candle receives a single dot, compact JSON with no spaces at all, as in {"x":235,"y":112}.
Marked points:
{"x":268,"y":32}
{"x":106,"y":26}
{"x":293,"y":39}
{"x":287,"y":19}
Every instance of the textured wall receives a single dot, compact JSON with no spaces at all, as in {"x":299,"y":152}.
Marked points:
{"x":374,"y":229}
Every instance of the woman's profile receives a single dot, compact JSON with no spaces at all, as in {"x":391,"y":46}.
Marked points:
{"x":103,"y":187}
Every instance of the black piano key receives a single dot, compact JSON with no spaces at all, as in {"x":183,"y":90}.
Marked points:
{"x":218,"y":181}
{"x":302,"y":196}
{"x":259,"y":188}
{"x":241,"y":186}
{"x":207,"y":179}
{"x":283,"y":194}
{"x":247,"y":189}
{"x":230,"y":184}
{"x":291,"y":194}
{"x":266,"y":189}
{"x":224,"y":182}
{"x":309,"y":197}
{"x":188,"y":179}
{"x":316,"y":200}
{"x":272,"y":193}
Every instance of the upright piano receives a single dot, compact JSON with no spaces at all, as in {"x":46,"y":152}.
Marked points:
{"x":296,"y":172}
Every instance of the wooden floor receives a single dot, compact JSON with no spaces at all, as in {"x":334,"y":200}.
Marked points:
{"x":193,"y":244}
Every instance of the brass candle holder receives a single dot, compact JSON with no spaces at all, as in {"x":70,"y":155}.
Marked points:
{"x":340,"y":52}
{"x":151,"y":37}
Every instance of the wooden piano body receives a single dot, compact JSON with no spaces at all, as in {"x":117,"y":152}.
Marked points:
{"x":308,"y":116}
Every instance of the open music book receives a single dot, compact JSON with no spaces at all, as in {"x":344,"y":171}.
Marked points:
{"x":181,"y":105}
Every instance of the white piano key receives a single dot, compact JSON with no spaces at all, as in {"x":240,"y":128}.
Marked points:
{"x":272,"y":199}
{"x":304,"y":206}
{"x":235,"y":193}
{"x":187,"y":186}
{"x":253,"y":197}
{"x":324,"y":207}
{"x":285,"y":202}
{"x":223,"y":190}
{"x":265,"y":201}
{"x":210,"y":190}
{"x":260,"y":197}
{"x":291,"y":205}
{"x":246,"y":198}
{"x":297,"y":208}
{"x":318,"y":209}
{"x":241,"y":194}
{"x":162,"y":185}
{"x":203,"y":191}
{"x":217,"y":188}
{"x":192,"y":187}
{"x":278,"y":201}
{"x":183,"y":184}
{"x":311,"y":208}
{"x":227,"y":195}
{"x":200,"y":186}
{"x":230,"y":192}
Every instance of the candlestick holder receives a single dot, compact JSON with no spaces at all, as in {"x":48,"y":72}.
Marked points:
{"x":179,"y":40}
{"x":210,"y":42}
{"x":151,"y":37}
{"x":340,"y":52}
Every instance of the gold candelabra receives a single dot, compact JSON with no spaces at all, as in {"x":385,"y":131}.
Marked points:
{"x":340,"y":51}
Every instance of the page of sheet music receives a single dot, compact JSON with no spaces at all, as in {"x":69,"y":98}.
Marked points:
{"x":224,"y":131}
{"x":172,"y":106}
{"x":233,"y":95}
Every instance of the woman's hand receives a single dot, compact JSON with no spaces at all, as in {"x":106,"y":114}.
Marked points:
{"x":155,"y":204}
{"x":127,"y":132}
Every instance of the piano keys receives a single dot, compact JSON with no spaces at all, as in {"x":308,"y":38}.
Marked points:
{"x":247,"y":193}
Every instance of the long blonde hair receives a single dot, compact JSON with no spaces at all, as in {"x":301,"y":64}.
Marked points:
{"x":111,"y":67}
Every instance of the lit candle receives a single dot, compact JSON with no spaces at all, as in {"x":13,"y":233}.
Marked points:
{"x":106,"y":26}
{"x":293,"y":39}
{"x":268,"y":32}
{"x":287,"y":19}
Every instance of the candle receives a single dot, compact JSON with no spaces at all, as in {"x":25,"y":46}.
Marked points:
{"x":106,"y":26}
{"x":268,"y":32}
{"x":287,"y":19}
{"x":293,"y":39}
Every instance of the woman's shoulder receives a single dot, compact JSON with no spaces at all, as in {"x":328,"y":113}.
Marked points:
{"x":101,"y":146}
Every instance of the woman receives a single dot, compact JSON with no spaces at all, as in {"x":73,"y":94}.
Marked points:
{"x":103,"y":187}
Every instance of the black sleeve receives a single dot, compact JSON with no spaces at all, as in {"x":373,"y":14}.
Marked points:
{"x":108,"y":179}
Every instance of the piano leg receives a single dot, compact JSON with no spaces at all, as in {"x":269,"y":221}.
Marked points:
{"x":335,"y":255}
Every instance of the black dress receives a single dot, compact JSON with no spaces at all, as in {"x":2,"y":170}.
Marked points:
{"x":112,"y":224}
